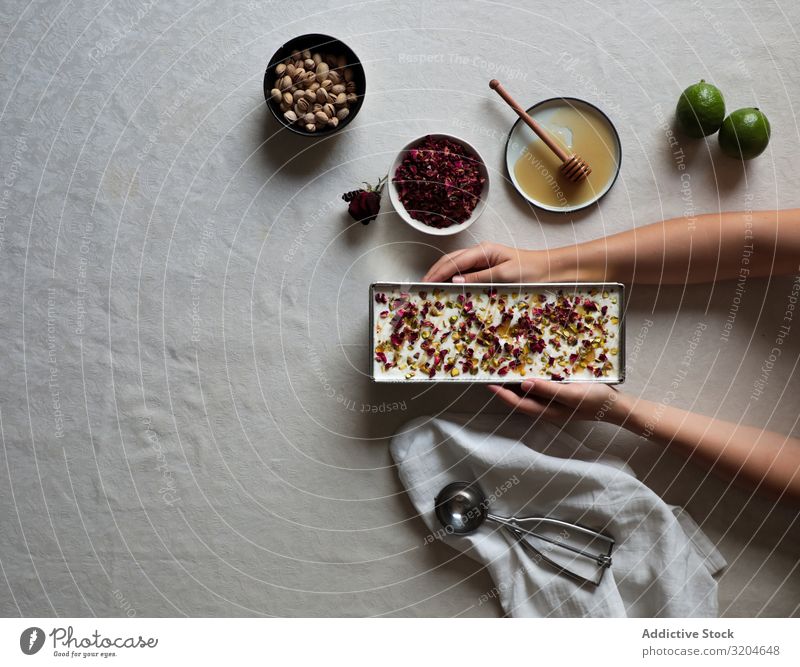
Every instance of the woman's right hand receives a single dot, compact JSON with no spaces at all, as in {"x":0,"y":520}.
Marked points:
{"x":490,"y":263}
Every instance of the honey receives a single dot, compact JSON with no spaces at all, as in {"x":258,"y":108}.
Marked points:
{"x":583,"y":131}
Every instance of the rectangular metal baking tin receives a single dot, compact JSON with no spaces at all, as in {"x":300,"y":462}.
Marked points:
{"x":473,"y":287}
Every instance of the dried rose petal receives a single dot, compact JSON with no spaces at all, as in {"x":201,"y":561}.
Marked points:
{"x":515,"y":344}
{"x":438,"y":183}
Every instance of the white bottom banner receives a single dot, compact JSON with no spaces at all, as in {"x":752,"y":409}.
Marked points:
{"x":396,"y":642}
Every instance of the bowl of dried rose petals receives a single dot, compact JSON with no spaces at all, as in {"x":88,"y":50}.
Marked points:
{"x":439,"y":184}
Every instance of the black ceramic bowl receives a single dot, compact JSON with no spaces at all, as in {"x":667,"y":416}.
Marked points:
{"x":323,"y":44}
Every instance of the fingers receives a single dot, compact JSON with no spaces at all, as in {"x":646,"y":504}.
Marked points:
{"x":528,"y":405}
{"x":569,"y":394}
{"x":491,"y":275}
{"x":443,"y":268}
{"x":543,"y":388}
{"x":517,"y":402}
{"x":476,"y":257}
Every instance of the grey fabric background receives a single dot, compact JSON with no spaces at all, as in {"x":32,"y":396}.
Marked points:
{"x":186,"y":424}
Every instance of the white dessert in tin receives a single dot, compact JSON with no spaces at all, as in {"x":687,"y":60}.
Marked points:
{"x":497,"y":333}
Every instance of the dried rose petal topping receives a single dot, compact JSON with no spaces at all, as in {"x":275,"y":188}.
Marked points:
{"x":496,"y":334}
{"x":439,"y":183}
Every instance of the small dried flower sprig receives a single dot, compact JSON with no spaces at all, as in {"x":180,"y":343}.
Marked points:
{"x":365,"y":203}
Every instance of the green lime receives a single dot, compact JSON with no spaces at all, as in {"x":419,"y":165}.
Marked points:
{"x":700,"y":109}
{"x":744,"y":134}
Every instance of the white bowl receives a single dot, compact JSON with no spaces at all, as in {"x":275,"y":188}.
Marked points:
{"x":421,"y":226}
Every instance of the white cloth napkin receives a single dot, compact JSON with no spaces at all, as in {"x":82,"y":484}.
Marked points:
{"x":663,"y":565}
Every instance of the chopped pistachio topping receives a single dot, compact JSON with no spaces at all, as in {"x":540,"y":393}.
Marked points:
{"x":559,"y":335}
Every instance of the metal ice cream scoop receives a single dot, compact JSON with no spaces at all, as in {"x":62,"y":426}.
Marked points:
{"x":462,"y":508}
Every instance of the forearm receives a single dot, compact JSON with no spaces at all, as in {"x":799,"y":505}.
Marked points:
{"x":710,"y":247}
{"x":760,"y":457}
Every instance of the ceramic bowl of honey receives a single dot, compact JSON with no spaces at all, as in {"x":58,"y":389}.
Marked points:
{"x":580,"y":127}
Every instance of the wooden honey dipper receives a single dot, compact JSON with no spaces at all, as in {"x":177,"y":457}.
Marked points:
{"x":573,"y":167}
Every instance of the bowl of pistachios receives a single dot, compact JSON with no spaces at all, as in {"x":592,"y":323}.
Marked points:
{"x":314,"y":85}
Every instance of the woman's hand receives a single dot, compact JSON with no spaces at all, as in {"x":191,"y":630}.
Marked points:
{"x":490,"y":262}
{"x":558,"y":402}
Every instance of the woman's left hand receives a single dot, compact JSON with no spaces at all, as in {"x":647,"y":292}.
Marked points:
{"x":559,"y":402}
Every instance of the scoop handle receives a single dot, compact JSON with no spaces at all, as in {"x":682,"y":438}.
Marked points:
{"x":551,"y":143}
{"x":530,"y":522}
{"x":518,"y":525}
{"x":518,"y":535}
